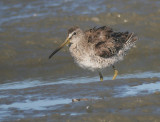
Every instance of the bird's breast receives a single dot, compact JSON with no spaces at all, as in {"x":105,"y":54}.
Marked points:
{"x":76,"y":52}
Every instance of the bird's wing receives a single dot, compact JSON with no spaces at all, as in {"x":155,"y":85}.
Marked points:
{"x":106,"y":42}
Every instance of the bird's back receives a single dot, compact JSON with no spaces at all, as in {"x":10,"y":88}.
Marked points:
{"x":107,"y":42}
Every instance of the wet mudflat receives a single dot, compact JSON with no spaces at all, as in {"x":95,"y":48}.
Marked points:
{"x":33,"y":88}
{"x":134,"y":99}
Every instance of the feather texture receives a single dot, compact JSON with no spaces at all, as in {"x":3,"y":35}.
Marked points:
{"x":107,"y":42}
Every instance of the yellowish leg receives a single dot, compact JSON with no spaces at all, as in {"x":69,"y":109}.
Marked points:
{"x":115,"y":73}
{"x":101,"y":76}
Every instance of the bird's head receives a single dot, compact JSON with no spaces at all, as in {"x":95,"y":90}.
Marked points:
{"x":74,"y":36}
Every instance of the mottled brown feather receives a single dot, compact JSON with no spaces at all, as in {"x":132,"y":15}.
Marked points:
{"x":107,"y":42}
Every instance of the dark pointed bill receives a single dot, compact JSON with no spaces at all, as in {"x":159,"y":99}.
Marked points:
{"x":60,"y":47}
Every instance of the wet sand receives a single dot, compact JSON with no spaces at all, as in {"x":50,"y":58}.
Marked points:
{"x":131,"y":99}
{"x":33,"y":88}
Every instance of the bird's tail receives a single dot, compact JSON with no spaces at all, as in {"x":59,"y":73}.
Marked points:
{"x":130,"y":41}
{"x":132,"y":38}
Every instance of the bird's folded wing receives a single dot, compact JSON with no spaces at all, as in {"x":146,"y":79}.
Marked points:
{"x":106,"y":42}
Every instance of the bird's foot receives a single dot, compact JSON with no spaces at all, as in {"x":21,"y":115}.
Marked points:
{"x":101,"y":76}
{"x":101,"y":79}
{"x":115,"y":73}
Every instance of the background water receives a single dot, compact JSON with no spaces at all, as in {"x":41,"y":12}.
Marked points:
{"x":35,"y":88}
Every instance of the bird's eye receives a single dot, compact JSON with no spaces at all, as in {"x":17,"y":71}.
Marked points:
{"x":74,"y":33}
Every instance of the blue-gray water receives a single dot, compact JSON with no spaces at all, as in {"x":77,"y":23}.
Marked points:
{"x":33,"y":88}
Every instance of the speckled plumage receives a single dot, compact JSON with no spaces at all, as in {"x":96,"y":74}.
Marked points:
{"x":99,"y":48}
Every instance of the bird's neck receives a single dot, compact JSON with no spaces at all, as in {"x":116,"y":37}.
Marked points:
{"x":78,"y":50}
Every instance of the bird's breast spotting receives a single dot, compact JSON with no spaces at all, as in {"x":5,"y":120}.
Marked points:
{"x":93,"y":62}
{"x":90,"y":61}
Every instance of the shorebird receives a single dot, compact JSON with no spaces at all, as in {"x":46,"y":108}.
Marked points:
{"x":98,"y":48}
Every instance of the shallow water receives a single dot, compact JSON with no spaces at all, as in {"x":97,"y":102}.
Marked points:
{"x":33,"y":88}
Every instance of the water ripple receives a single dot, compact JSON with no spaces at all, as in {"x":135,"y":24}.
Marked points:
{"x":35,"y":83}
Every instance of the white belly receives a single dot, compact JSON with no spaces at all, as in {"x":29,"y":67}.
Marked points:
{"x":87,"y":59}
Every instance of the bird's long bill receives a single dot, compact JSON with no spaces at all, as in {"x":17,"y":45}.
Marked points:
{"x":60,"y":47}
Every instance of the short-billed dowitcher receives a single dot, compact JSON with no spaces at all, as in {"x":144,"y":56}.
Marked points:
{"x":98,"y":48}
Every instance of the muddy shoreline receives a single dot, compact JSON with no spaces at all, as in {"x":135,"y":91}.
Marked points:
{"x":33,"y":88}
{"x":120,"y":100}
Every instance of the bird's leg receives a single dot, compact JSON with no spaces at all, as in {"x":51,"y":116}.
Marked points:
{"x":115,"y":72}
{"x":100,"y":75}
